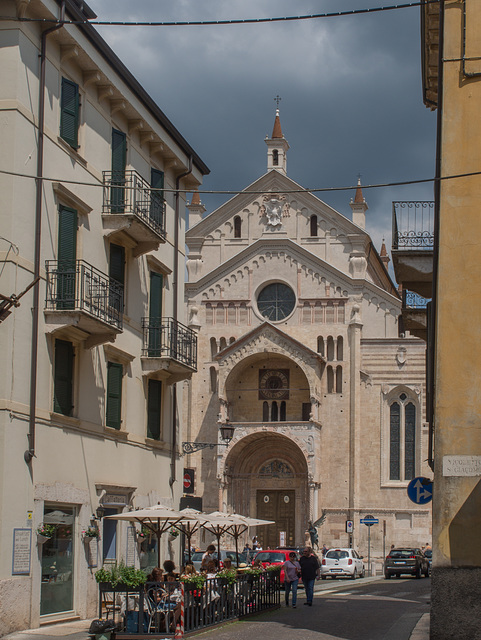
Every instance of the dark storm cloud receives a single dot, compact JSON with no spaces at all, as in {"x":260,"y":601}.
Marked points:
{"x":350,"y":87}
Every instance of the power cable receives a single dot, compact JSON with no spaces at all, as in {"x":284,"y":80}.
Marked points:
{"x":199,"y":23}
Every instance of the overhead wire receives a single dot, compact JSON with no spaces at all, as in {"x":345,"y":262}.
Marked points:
{"x":198,"y":23}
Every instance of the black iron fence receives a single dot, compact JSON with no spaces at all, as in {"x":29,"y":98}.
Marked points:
{"x":168,"y":338}
{"x":128,"y":192}
{"x":412,"y":225}
{"x":412,"y":300}
{"x":156,"y":608}
{"x":75,"y":285}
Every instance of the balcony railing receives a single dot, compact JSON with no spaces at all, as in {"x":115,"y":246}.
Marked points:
{"x":127,"y":192}
{"x":168,"y":338}
{"x":78,"y":286}
{"x":412,"y":225}
{"x":412,"y":300}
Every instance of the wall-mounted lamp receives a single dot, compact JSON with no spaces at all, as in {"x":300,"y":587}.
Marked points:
{"x":100,"y":512}
{"x":226,"y":433}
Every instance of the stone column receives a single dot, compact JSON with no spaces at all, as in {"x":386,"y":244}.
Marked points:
{"x":354,"y":335}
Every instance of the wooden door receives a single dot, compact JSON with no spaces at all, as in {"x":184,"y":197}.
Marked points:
{"x":278,"y":505}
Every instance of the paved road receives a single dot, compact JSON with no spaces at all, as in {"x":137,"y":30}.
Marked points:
{"x":370,"y":609}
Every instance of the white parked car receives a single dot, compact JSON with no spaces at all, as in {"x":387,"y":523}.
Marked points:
{"x":342,"y":562}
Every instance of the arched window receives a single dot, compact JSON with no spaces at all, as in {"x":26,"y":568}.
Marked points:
{"x":274,"y":412}
{"x":340,"y":348}
{"x":330,"y":348}
{"x":231,"y":313}
{"x":237,"y":227}
{"x":320,"y":345}
{"x":231,"y":339}
{"x":265,"y":411}
{"x":213,"y":380}
{"x":402,"y":439}
{"x":330,"y":380}
{"x":339,"y":380}
{"x":313,"y":226}
{"x":213,"y":348}
{"x":275,"y":157}
{"x":222,"y":344}
{"x":283,"y":411}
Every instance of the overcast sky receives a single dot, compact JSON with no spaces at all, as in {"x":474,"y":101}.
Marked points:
{"x":350,"y":87}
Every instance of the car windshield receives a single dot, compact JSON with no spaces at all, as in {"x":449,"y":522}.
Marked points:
{"x":197,"y":556}
{"x":337,"y":554}
{"x":267,"y":556}
{"x":401,"y":553}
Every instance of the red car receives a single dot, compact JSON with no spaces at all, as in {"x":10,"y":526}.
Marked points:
{"x":275,"y":556}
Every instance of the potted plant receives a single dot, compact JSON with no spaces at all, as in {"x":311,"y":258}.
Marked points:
{"x":227,"y":577}
{"x":118,"y":577}
{"x":89,"y":533}
{"x":45,"y":532}
{"x":193,"y":581}
{"x":173,"y":533}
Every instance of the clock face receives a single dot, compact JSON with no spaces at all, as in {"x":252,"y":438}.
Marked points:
{"x":276,"y":301}
{"x":274,"y":384}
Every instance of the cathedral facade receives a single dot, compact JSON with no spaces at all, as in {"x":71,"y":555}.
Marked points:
{"x":299,"y":351}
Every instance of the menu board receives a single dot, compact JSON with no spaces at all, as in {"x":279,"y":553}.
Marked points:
{"x":22,"y":547}
{"x":131,"y":547}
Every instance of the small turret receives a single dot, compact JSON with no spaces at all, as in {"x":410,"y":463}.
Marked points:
{"x":359,"y":207}
{"x":277,"y":147}
{"x":196,"y":209}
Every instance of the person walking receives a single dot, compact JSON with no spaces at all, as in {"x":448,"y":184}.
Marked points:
{"x":292,"y":572}
{"x":310,"y":571}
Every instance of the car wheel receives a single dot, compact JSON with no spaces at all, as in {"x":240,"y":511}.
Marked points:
{"x":387,"y":575}
{"x":354,"y":575}
{"x":323,"y":577}
{"x":418,"y":573}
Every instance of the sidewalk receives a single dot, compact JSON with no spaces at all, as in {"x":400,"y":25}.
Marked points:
{"x":78,"y":629}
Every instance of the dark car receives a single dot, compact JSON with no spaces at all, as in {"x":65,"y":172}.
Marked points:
{"x":407,"y":560}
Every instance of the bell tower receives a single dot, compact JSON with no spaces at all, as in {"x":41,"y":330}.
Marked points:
{"x":277,"y":147}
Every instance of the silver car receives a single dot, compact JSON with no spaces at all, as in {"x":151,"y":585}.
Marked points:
{"x":197,"y":558}
{"x":342,"y":562}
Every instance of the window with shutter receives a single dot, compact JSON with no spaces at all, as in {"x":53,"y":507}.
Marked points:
{"x":119,"y":161}
{"x":66,"y":255}
{"x":154,"y":406}
{"x":69,"y":112}
{"x":63,"y":378}
{"x":117,"y":277}
{"x":157,"y":197}
{"x":114,"y":395}
{"x":155,"y":314}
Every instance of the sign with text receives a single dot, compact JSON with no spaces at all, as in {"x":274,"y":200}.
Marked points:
{"x":22,"y":546}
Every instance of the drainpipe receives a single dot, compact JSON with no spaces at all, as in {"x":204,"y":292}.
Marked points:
{"x":175,"y":288}
{"x":30,"y":452}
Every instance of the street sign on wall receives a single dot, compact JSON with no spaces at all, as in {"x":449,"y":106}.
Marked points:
{"x":188,"y":482}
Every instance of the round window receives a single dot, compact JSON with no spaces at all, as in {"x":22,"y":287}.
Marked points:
{"x":276,"y":301}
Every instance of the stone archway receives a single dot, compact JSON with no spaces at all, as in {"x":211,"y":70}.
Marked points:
{"x":266,"y":476}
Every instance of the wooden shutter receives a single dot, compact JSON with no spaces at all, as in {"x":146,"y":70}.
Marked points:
{"x":63,"y":377}
{"x":114,"y":395}
{"x":117,"y":263}
{"x":155,"y":314}
{"x":66,"y":255}
{"x":154,"y":406}
{"x":69,"y":112}
{"x":157,"y":197}
{"x":119,"y":159}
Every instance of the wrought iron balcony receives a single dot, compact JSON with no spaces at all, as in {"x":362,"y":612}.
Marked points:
{"x":168,"y":339}
{"x":77,"y":286}
{"x":412,"y":300}
{"x":412,"y":245}
{"x":414,"y":314}
{"x":413,"y":225}
{"x":130,"y":204}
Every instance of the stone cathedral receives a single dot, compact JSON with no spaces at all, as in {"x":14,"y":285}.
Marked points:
{"x":299,"y":350}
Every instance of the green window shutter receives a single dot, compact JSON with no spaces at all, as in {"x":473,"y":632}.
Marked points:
{"x":117,"y":263}
{"x":63,"y":377}
{"x":114,"y":395}
{"x":154,"y":406}
{"x":155,"y":314}
{"x":119,"y":160}
{"x":157,"y":181}
{"x":66,"y":255}
{"x":69,"y":112}
{"x":157,"y":197}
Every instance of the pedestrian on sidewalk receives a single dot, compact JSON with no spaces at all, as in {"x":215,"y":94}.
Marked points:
{"x":310,"y":571}
{"x":292,"y":572}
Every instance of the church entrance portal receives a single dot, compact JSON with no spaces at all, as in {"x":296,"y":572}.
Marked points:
{"x":278,"y":505}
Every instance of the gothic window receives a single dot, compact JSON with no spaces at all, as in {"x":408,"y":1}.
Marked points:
{"x":313,"y":226}
{"x":402,"y":439}
{"x":237,"y":227}
{"x":320,"y":345}
{"x":265,"y":411}
{"x":340,"y":349}
{"x":274,"y":412}
{"x":282,"y":416}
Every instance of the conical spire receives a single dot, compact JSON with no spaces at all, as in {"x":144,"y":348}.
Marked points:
{"x":359,"y":206}
{"x":383,"y":255}
{"x":196,"y":209}
{"x":277,"y":131}
{"x":277,"y":147}
{"x":359,"y":198}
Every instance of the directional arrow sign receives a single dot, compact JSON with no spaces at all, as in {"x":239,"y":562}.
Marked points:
{"x":420,"y":490}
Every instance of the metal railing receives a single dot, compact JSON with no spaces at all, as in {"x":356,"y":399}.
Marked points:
{"x":78,"y":286}
{"x":168,"y":338}
{"x":154,"y":608}
{"x":412,"y":300}
{"x":127,"y":192}
{"x":413,"y":225}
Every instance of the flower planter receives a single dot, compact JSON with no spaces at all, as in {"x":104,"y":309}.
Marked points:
{"x":42,"y":539}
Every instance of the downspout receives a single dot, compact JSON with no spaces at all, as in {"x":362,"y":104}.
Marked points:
{"x":175,"y":288}
{"x":437,"y":204}
{"x":30,"y":452}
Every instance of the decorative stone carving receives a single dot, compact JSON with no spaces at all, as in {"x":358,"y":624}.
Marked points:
{"x":401,"y":356}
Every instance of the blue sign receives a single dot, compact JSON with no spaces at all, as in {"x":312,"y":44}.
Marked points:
{"x":420,"y":490}
{"x":369,"y":521}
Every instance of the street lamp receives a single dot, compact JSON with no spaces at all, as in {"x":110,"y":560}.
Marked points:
{"x":226,"y":433}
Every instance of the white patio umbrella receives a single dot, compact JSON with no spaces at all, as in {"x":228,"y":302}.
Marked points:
{"x":192,"y":522}
{"x":157,"y":519}
{"x":220,"y":522}
{"x":238,"y":529}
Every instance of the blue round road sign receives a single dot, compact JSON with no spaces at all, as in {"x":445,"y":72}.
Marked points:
{"x":420,"y":490}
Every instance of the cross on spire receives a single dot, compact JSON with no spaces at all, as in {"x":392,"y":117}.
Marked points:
{"x":277,"y":99}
